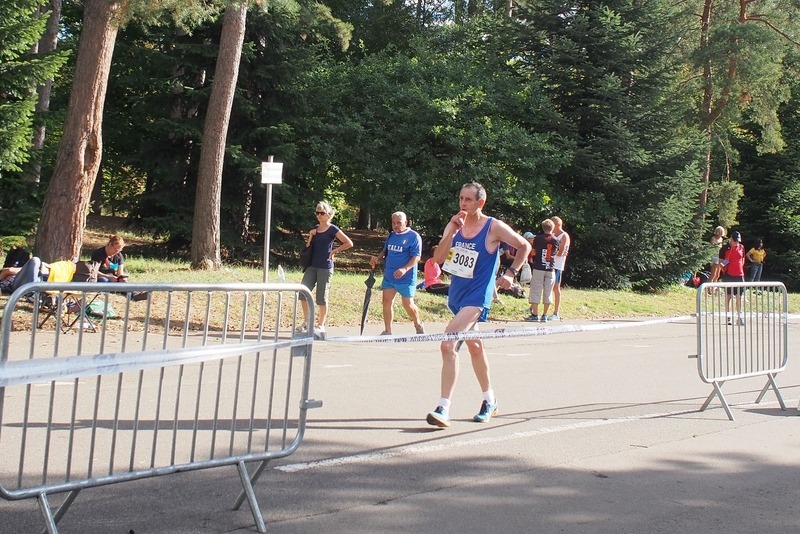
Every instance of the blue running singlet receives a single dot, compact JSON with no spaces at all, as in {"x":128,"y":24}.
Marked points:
{"x":478,"y":290}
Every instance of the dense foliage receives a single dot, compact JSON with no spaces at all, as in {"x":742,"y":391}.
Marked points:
{"x":21,"y":26}
{"x":612,"y":115}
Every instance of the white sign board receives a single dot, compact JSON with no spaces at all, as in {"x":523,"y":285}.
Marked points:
{"x":271,"y":172}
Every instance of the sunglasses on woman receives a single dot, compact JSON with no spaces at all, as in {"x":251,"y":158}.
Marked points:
{"x":321,"y":213}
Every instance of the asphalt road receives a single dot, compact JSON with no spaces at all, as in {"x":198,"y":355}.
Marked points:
{"x":598,"y":432}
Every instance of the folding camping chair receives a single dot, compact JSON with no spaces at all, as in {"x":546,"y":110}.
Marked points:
{"x":67,"y":307}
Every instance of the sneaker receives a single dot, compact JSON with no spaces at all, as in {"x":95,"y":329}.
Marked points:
{"x":301,"y":329}
{"x":439,"y":417}
{"x":420,"y":328}
{"x":532,"y":318}
{"x":554,"y":317}
{"x":730,"y":321}
{"x":741,"y":321}
{"x":487,"y":412}
{"x":319,"y":333}
{"x":385,"y":333}
{"x":543,"y":319}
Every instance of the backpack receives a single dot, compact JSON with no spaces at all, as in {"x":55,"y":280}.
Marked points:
{"x":101,"y":309}
{"x":305,"y":258}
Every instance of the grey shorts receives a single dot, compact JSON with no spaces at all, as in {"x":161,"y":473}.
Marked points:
{"x":321,"y":278}
{"x":541,"y":287}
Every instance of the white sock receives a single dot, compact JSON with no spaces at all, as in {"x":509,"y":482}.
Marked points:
{"x":488,"y":396}
{"x":444,"y":403}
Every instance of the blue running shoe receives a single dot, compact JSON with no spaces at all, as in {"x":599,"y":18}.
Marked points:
{"x":543,"y":319}
{"x":532,"y":318}
{"x":439,"y":417}
{"x":487,"y":412}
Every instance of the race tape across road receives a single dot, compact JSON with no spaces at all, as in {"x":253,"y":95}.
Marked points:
{"x":505,"y":332}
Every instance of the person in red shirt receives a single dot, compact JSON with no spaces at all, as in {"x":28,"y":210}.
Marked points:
{"x":732,"y":261}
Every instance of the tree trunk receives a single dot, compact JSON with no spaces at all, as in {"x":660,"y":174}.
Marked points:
{"x":708,"y":90}
{"x":206,"y":225}
{"x":364,"y":219}
{"x":46,"y":45}
{"x":60,"y":233}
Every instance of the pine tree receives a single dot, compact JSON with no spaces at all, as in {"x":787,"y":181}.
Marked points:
{"x":20,"y":74}
{"x":611,"y":70}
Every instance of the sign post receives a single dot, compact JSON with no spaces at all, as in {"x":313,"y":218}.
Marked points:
{"x":271,"y":173}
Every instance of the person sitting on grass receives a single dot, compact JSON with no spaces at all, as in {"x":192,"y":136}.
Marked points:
{"x":111,"y":261}
{"x":433,"y":276}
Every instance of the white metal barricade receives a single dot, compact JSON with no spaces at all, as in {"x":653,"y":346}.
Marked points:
{"x":194,"y":376}
{"x":742,"y":331}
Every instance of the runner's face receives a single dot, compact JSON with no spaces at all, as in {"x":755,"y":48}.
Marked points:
{"x":468,"y":201}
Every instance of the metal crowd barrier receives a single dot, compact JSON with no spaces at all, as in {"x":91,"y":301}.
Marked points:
{"x":192,"y":377}
{"x":742,"y":332}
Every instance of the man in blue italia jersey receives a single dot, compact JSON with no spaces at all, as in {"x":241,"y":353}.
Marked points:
{"x":402,"y":250}
{"x":469,"y":251}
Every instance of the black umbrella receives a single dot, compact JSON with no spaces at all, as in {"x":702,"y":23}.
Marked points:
{"x":369,"y":282}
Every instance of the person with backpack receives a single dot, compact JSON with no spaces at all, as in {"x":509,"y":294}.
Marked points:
{"x":732,"y":262}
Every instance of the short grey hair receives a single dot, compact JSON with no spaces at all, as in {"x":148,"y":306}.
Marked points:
{"x":480,"y":191}
{"x":327,"y":208}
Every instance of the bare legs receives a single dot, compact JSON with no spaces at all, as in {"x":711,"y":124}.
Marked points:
{"x":556,"y":297}
{"x":388,"y":309}
{"x":322,"y":312}
{"x":465,"y":320}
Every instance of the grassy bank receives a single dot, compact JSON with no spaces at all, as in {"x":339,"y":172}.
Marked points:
{"x":347,"y":291}
{"x":347,"y":295}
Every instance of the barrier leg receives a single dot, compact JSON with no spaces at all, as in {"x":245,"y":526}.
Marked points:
{"x":50,"y":519}
{"x":257,"y":473}
{"x":771,"y":384}
{"x":251,"y":496}
{"x":718,"y":393}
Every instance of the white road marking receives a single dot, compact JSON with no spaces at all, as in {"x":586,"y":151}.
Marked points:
{"x":423,"y":449}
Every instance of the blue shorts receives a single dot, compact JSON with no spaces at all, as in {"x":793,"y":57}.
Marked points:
{"x":482,"y":319}
{"x":406,"y":290}
{"x":557,"y":276}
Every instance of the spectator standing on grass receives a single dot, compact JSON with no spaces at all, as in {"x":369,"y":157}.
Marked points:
{"x":717,"y":240}
{"x":545,"y":247}
{"x":321,"y":239}
{"x":469,"y":250}
{"x":732,"y":262}
{"x":402,"y":251}
{"x":756,"y":257}
{"x":559,"y":264}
